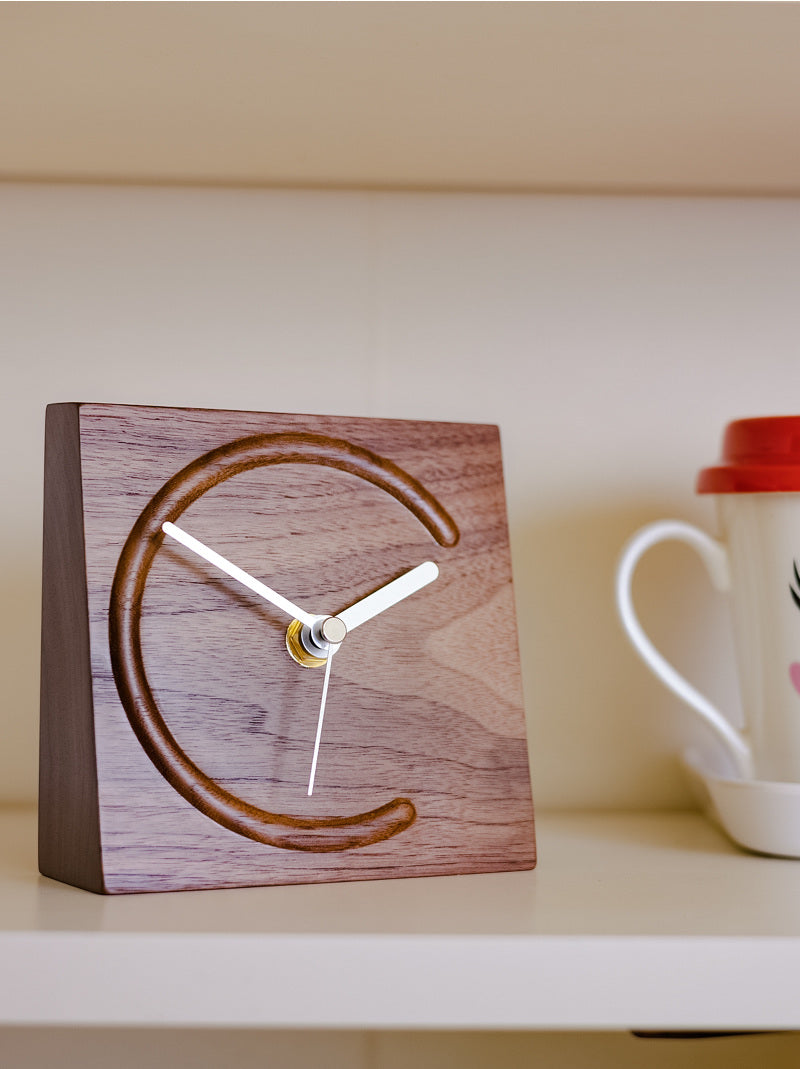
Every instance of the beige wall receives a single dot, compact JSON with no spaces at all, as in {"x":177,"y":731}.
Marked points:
{"x":610,"y":338}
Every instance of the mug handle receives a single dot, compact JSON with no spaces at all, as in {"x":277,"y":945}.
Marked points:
{"x":715,"y":558}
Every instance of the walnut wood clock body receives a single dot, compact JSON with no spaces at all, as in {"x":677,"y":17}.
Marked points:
{"x":176,"y":729}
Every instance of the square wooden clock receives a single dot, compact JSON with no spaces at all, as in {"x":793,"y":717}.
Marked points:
{"x":276,"y":649}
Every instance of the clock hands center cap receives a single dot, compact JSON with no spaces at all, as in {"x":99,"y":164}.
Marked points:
{"x":311,"y":646}
{"x":331,"y":630}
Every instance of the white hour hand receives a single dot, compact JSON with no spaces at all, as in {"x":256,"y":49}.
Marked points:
{"x":389,"y":595}
{"x":237,"y":573}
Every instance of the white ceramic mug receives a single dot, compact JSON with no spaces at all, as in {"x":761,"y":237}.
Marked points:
{"x":756,"y":560}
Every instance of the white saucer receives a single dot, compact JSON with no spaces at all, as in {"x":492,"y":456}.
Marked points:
{"x":760,"y":816}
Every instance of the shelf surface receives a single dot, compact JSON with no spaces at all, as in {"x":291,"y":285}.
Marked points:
{"x":630,"y":921}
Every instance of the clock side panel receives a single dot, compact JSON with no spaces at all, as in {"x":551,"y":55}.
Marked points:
{"x":425,"y":701}
{"x":69,"y":829}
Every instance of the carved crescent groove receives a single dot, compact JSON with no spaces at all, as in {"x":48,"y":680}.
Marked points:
{"x":288,"y":832}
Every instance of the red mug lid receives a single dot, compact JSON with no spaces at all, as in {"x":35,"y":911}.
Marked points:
{"x":758,"y":456}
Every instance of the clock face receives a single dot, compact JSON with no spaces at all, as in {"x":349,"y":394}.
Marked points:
{"x":205,"y":725}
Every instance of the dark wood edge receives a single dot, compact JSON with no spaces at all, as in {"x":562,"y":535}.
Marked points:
{"x":69,"y":817}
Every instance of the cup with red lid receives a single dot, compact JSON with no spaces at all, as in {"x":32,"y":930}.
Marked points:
{"x":756,"y":560}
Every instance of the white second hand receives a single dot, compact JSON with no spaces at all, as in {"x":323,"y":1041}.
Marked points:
{"x":319,"y":722}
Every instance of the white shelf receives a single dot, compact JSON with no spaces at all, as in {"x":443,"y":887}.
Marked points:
{"x":645,"y":921}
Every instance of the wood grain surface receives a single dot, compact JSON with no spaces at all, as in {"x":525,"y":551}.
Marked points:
{"x":425,"y":700}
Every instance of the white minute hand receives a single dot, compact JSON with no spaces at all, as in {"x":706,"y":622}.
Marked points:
{"x":237,"y":573}
{"x":406,"y":584}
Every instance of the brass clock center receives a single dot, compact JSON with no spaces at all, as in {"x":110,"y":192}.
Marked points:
{"x":309,"y":645}
{"x":303,"y":648}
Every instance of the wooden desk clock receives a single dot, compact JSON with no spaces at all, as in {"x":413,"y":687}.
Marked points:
{"x":276,"y":649}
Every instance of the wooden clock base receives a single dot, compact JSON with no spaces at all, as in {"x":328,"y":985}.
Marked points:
{"x":176,"y":730}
